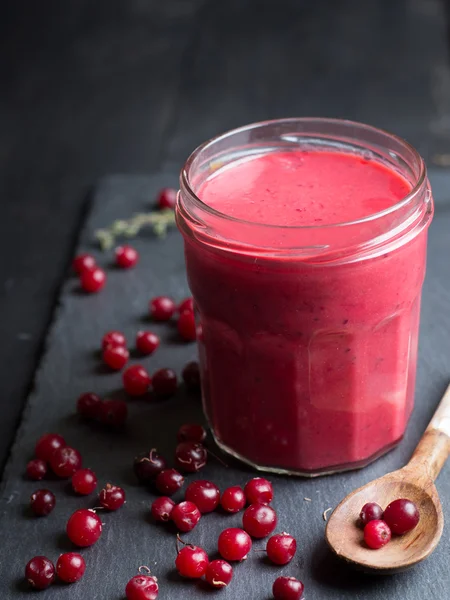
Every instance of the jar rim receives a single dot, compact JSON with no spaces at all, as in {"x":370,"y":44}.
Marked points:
{"x":186,"y":187}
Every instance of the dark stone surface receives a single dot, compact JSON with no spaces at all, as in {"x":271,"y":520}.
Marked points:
{"x":71,"y":365}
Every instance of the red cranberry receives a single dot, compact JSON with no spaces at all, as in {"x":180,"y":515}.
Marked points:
{"x":190,"y":457}
{"x":93,"y":281}
{"x":88,"y":405}
{"x":162,"y":308}
{"x":83,"y":262}
{"x":112,"y":497}
{"x":192,"y":562}
{"x":42,"y":502}
{"x":191,"y":432}
{"x":148,"y":466}
{"x":147,"y":342}
{"x":401,"y":515}
{"x":259,"y":520}
{"x":167,"y":198}
{"x":186,"y":304}
{"x":113,"y":413}
{"x":370,"y":512}
{"x":47,"y":444}
{"x":204,"y":494}
{"x":219,"y":573}
{"x":233,"y":499}
{"x":185,"y":516}
{"x":162,"y":508}
{"x":84,"y":482}
{"x":259,"y":491}
{"x":281,"y":548}
{"x":115,"y":357}
{"x":126,"y":257}
{"x":40,"y":572}
{"x":84,"y":527}
{"x":287,"y":588}
{"x":377,"y":534}
{"x":113,"y":338}
{"x":186,"y":326}
{"x":37,"y":469}
{"x":136,"y":380}
{"x":70,"y":567}
{"x":191,"y":376}
{"x":142,"y":587}
{"x":234,"y":544}
{"x":169,"y":481}
{"x":65,"y":462}
{"x":164,"y":382}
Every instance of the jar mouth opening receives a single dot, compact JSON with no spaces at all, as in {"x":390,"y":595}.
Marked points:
{"x":417,"y":185}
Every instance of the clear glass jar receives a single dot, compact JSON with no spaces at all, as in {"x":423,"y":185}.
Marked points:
{"x":307,"y":341}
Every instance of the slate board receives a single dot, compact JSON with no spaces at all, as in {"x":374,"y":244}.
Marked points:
{"x":71,"y":365}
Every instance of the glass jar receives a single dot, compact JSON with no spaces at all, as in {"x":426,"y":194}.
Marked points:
{"x":307,"y":339}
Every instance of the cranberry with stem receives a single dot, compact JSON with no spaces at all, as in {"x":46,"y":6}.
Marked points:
{"x":191,"y":375}
{"x":88,"y":405}
{"x":258,"y":491}
{"x":190,"y":457}
{"x":371,"y":511}
{"x":191,"y":432}
{"x":169,"y":481}
{"x":143,"y":586}
{"x":164,"y":382}
{"x":112,"y":497}
{"x":113,"y":413}
{"x":401,"y":515}
{"x":115,"y":357}
{"x":65,"y":462}
{"x":376,"y":534}
{"x":37,"y":469}
{"x":162,"y":308}
{"x":167,"y":198}
{"x":136,"y":380}
{"x":84,"y":527}
{"x":281,"y":548}
{"x":47,"y":444}
{"x":83,"y":262}
{"x":191,"y":562}
{"x":185,"y":515}
{"x":113,"y":338}
{"x":186,"y":326}
{"x":93,"y":281}
{"x":148,"y":466}
{"x":70,"y":567}
{"x":287,"y":588}
{"x":234,"y":544}
{"x":42,"y":502}
{"x":84,"y":482}
{"x":147,"y":342}
{"x":126,"y":257}
{"x":40,"y":572}
{"x":233,"y":499}
{"x":204,"y":494}
{"x":161,"y":509}
{"x":259,"y":520}
{"x":219,"y":573}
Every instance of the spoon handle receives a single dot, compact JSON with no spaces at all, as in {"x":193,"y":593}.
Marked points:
{"x":434,"y":447}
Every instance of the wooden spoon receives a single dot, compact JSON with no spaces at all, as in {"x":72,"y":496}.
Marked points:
{"x":415,"y":482}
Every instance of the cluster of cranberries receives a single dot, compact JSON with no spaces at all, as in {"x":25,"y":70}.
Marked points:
{"x":40,"y":572}
{"x":399,"y":517}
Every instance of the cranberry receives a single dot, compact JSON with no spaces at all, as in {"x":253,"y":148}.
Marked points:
{"x":142,"y":587}
{"x":40,"y":572}
{"x":190,"y":457}
{"x":233,"y":499}
{"x":191,"y":376}
{"x":219,"y":573}
{"x":259,"y":520}
{"x":287,"y":588}
{"x":70,"y":567}
{"x":162,"y":508}
{"x":88,"y":405}
{"x":136,"y":380}
{"x":47,"y":444}
{"x":169,"y":481}
{"x":65,"y":462}
{"x":259,"y":491}
{"x":148,"y":465}
{"x":204,"y":494}
{"x":401,"y":515}
{"x":370,"y":512}
{"x":162,"y":308}
{"x":84,"y":482}
{"x":377,"y":534}
{"x":126,"y":257}
{"x":167,"y":198}
{"x":113,"y":338}
{"x":112,"y":497}
{"x":113,"y":413}
{"x":186,"y":304}
{"x":185,"y":516}
{"x":83,"y":262}
{"x":281,"y":548}
{"x":115,"y":357}
{"x":191,"y":432}
{"x":234,"y":544}
{"x":84,"y":527}
{"x":192,"y":562}
{"x":37,"y":469}
{"x":42,"y":502}
{"x":93,"y":281}
{"x":147,"y":342}
{"x":164,"y":382}
{"x":186,"y":326}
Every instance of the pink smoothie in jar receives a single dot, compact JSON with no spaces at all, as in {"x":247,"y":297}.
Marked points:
{"x":305,"y":244}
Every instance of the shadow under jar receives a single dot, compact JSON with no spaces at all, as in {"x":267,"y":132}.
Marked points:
{"x":305,"y":244}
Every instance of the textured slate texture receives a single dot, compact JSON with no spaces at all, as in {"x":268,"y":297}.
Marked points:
{"x":71,"y":365}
